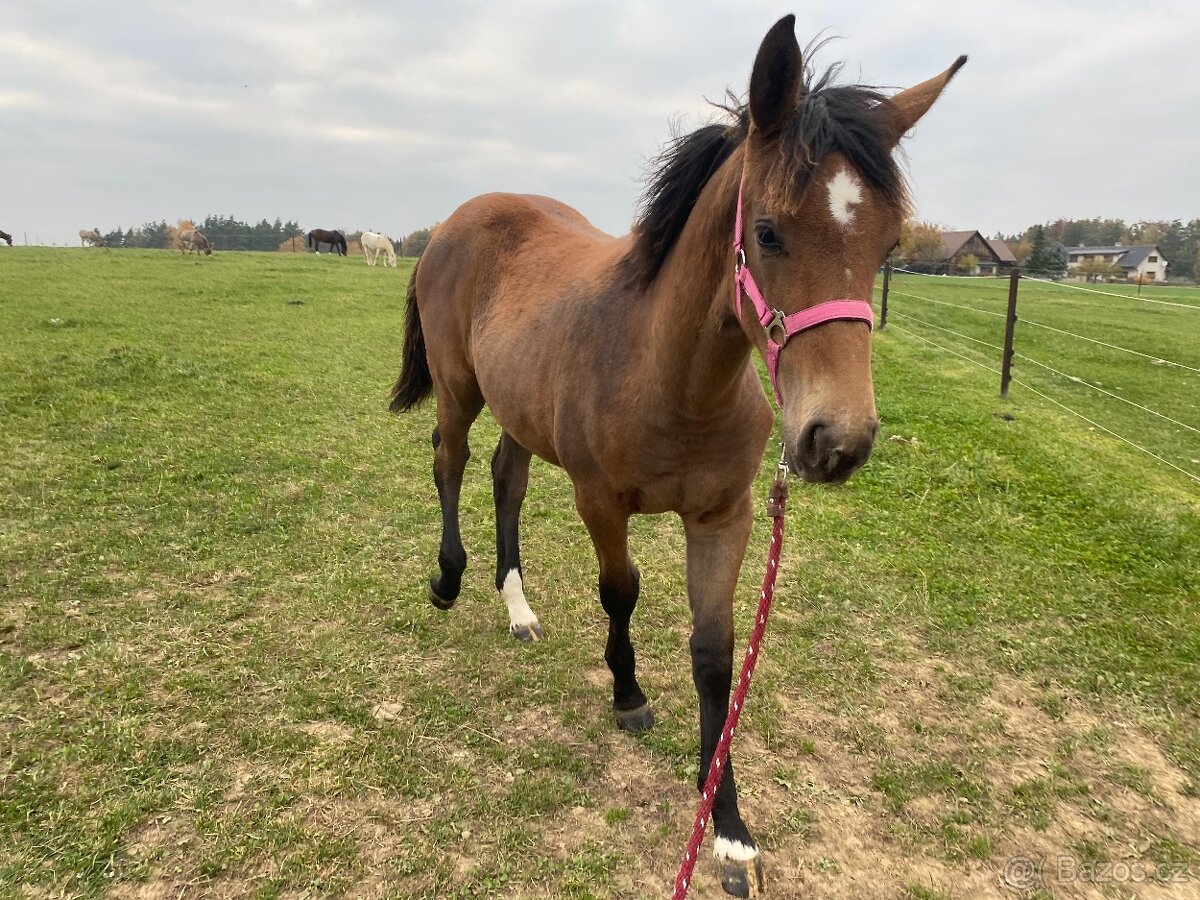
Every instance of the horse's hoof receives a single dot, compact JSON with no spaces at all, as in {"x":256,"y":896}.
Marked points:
{"x":531,"y":632}
{"x":635,"y":720}
{"x":440,"y":602}
{"x":742,"y":877}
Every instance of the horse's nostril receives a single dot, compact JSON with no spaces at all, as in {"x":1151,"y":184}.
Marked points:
{"x":811,"y":445}
{"x":828,"y":453}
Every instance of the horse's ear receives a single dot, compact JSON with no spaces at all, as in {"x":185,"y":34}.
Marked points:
{"x":777,"y":80}
{"x":905,"y":109}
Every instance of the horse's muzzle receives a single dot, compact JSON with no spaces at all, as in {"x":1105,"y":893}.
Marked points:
{"x":830,"y":452}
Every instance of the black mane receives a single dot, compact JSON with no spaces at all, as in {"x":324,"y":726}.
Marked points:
{"x":830,"y":118}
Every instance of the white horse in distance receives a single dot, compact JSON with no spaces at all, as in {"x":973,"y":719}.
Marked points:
{"x":374,"y":243}
{"x":192,"y":240}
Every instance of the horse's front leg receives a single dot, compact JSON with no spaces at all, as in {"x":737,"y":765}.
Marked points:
{"x":608,"y":524}
{"x":716,"y":545}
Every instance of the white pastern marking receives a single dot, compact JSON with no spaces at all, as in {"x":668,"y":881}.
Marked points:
{"x":513,"y":595}
{"x":844,"y":192}
{"x":724,"y":848}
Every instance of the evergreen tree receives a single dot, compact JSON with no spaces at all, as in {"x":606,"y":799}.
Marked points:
{"x":1048,"y":258}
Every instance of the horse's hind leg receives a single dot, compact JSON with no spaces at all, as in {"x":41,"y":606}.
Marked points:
{"x":619,"y":581}
{"x":450,"y":455}
{"x":510,"y":479}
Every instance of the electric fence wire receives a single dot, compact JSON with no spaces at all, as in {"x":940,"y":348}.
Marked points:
{"x":1057,"y":403}
{"x":1077,"y":287}
{"x":1027,"y":275}
{"x":1157,"y":360}
{"x":1069,"y":377}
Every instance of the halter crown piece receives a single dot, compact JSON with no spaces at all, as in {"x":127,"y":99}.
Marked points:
{"x":774,"y":321}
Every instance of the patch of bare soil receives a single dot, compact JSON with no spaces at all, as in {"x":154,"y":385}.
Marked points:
{"x":1110,"y":801}
{"x":857,"y":846}
{"x":162,"y":844}
{"x":827,"y":831}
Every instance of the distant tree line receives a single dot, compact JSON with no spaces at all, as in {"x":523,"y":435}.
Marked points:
{"x":229,"y":233}
{"x":414,"y":244}
{"x":1039,"y":248}
{"x":225,"y":231}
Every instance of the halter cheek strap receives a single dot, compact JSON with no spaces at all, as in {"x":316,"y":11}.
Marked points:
{"x":781,"y":327}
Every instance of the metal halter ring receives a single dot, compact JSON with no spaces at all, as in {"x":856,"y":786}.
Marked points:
{"x":777,"y":323}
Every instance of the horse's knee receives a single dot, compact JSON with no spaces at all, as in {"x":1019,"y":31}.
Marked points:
{"x":712,"y":665}
{"x":619,"y":594}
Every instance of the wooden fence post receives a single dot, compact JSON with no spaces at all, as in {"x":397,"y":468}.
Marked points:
{"x":887,"y":279}
{"x":1010,"y":327}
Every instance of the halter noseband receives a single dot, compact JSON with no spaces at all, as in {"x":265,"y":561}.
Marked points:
{"x":775,"y":322}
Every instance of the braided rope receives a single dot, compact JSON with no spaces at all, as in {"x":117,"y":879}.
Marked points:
{"x":775,"y":509}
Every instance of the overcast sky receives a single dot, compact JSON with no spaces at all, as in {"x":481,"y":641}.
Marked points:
{"x":388,"y":115}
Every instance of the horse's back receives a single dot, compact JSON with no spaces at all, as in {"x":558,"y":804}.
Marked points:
{"x":506,"y":282}
{"x":501,"y":224}
{"x":494,"y":240}
{"x":518,"y":251}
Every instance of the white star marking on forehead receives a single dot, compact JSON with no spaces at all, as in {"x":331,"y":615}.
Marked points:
{"x":844,"y":191}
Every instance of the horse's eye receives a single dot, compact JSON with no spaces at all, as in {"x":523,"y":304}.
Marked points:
{"x":765,"y":235}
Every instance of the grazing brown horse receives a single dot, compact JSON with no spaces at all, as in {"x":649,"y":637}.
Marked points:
{"x":627,"y":361}
{"x":6,"y":237}
{"x":335,"y":239}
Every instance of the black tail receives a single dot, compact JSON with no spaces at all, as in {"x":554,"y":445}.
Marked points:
{"x":308,"y":240}
{"x":415,"y":382}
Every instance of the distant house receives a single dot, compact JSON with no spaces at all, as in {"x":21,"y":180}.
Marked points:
{"x":991,"y":256}
{"x":1005,"y":257}
{"x":1142,"y":262}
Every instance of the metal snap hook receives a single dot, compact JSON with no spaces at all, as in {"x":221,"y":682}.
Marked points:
{"x":777,"y":324}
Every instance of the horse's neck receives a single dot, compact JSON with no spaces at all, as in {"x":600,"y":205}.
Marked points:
{"x":701,"y":353}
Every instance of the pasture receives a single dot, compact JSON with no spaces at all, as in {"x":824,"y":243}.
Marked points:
{"x":220,"y":675}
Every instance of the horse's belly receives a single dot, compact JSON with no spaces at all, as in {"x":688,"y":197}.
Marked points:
{"x":521,"y":403}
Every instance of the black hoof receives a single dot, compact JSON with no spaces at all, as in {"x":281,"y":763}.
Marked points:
{"x":439,"y":601}
{"x":742,"y":878}
{"x":635,"y":720}
{"x":532,"y":632}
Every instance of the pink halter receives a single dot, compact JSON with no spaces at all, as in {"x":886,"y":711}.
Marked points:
{"x":773,"y":321}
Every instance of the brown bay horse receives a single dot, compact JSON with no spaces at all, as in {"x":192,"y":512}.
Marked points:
{"x":627,"y":362}
{"x":335,"y":239}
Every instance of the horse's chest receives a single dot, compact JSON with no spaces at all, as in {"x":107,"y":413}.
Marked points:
{"x":697,"y":471}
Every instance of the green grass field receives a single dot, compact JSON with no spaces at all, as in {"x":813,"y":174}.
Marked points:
{"x":219,"y":674}
{"x":1148,"y":391}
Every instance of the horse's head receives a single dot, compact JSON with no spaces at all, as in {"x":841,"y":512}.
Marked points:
{"x":822,"y":204}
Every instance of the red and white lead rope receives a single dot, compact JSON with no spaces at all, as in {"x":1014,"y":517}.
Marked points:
{"x":775,"y":509}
